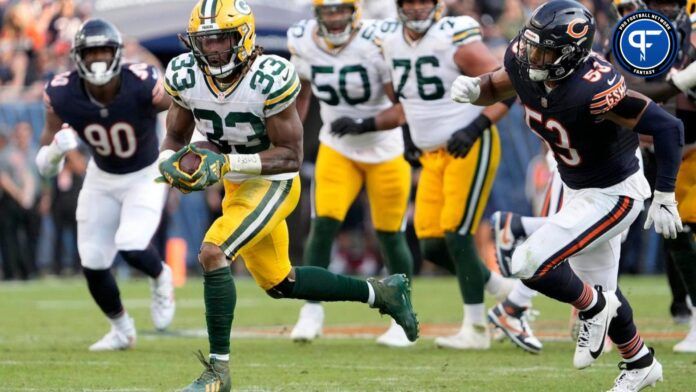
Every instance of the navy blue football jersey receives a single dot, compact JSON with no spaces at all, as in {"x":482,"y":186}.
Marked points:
{"x":121,"y":135}
{"x":591,"y":152}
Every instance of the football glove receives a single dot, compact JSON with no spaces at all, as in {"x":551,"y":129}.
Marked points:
{"x":465,"y":89}
{"x":664,"y":215}
{"x":461,"y":141}
{"x":213,"y":166}
{"x":65,"y":140}
{"x":175,"y":177}
{"x":412,"y":153}
{"x":353,"y":126}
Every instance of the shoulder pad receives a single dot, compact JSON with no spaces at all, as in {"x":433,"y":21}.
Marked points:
{"x":276,"y":79}
{"x":605,"y":86}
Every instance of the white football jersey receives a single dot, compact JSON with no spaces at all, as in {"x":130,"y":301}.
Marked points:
{"x":348,"y":83}
{"x":235,"y":118}
{"x":423,"y":73}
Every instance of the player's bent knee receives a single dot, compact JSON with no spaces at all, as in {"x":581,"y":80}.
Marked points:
{"x":283,"y":289}
{"x":211,"y":257}
{"x":93,"y":257}
{"x":523,"y":264}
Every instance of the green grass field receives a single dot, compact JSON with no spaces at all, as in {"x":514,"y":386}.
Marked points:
{"x":46,"y":327}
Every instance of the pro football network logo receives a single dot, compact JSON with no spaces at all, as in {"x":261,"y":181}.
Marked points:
{"x":645,"y":43}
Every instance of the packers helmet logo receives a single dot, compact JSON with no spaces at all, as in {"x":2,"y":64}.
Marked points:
{"x":576,"y":31}
{"x":242,"y":7}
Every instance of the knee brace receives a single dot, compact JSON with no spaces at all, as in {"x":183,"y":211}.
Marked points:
{"x":283,"y":289}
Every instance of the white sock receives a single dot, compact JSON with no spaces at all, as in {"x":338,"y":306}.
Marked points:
{"x":220,"y":357}
{"x":521,"y":295}
{"x":371,"y":296}
{"x":474,"y":314}
{"x":494,"y":283}
{"x":123,"y":323}
{"x":532,"y":224}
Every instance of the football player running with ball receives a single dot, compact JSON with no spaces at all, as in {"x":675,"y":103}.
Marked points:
{"x":459,"y":147}
{"x":244,"y":103}
{"x":580,"y":106}
{"x":113,"y":107}
{"x":337,"y":61}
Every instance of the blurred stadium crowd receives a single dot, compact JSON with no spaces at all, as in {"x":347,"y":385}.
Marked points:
{"x":37,"y":217}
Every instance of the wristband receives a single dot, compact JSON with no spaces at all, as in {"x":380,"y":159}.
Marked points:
{"x":245,"y":163}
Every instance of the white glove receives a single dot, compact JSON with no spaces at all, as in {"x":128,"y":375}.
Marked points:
{"x":685,"y":79}
{"x":663,"y":213}
{"x":65,"y":140}
{"x":465,"y":89}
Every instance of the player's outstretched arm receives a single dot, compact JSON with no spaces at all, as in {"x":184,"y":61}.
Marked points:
{"x":57,"y":142}
{"x":285,"y":133}
{"x":636,"y":111}
{"x":483,"y":90}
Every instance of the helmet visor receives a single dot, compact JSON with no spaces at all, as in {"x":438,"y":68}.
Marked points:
{"x":216,"y":48}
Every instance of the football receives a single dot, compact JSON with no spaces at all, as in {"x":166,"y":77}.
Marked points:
{"x":189,"y":162}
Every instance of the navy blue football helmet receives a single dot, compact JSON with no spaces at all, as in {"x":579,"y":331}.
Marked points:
{"x":97,"y":33}
{"x":556,"y":39}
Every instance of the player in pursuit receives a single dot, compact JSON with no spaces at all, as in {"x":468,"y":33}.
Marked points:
{"x":113,"y":107}
{"x":588,"y":131}
{"x":337,"y":61}
{"x":244,"y":103}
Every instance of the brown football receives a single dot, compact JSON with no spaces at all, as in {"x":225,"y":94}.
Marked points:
{"x":189,"y":162}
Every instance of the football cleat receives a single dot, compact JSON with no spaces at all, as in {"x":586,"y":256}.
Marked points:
{"x":163,"y":306}
{"x":634,"y":380}
{"x":310,"y":323}
{"x":593,"y":331}
{"x":116,"y":339}
{"x":508,"y":234}
{"x":393,"y":297}
{"x":470,"y":337}
{"x":688,"y":345}
{"x":574,"y":325}
{"x":394,"y":337}
{"x":215,"y":377}
{"x":514,"y":324}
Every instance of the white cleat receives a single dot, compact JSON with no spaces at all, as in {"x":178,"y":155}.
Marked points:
{"x":470,"y":337}
{"x":116,"y":340}
{"x":634,"y":380}
{"x":310,"y":324}
{"x":592,"y":333}
{"x":516,"y":328}
{"x":688,"y":345}
{"x":163,"y":306}
{"x":394,"y":337}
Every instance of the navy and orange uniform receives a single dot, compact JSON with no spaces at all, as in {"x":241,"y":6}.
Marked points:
{"x":591,"y":152}
{"x":122,"y":135}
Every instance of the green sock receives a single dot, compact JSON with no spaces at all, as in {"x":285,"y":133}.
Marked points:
{"x":317,"y":252}
{"x":318,"y":284}
{"x":220,"y":299}
{"x":470,"y":268}
{"x":396,"y":252}
{"x":435,"y":250}
{"x":683,"y":250}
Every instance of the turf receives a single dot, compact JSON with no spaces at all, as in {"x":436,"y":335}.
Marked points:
{"x":46,"y":326}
